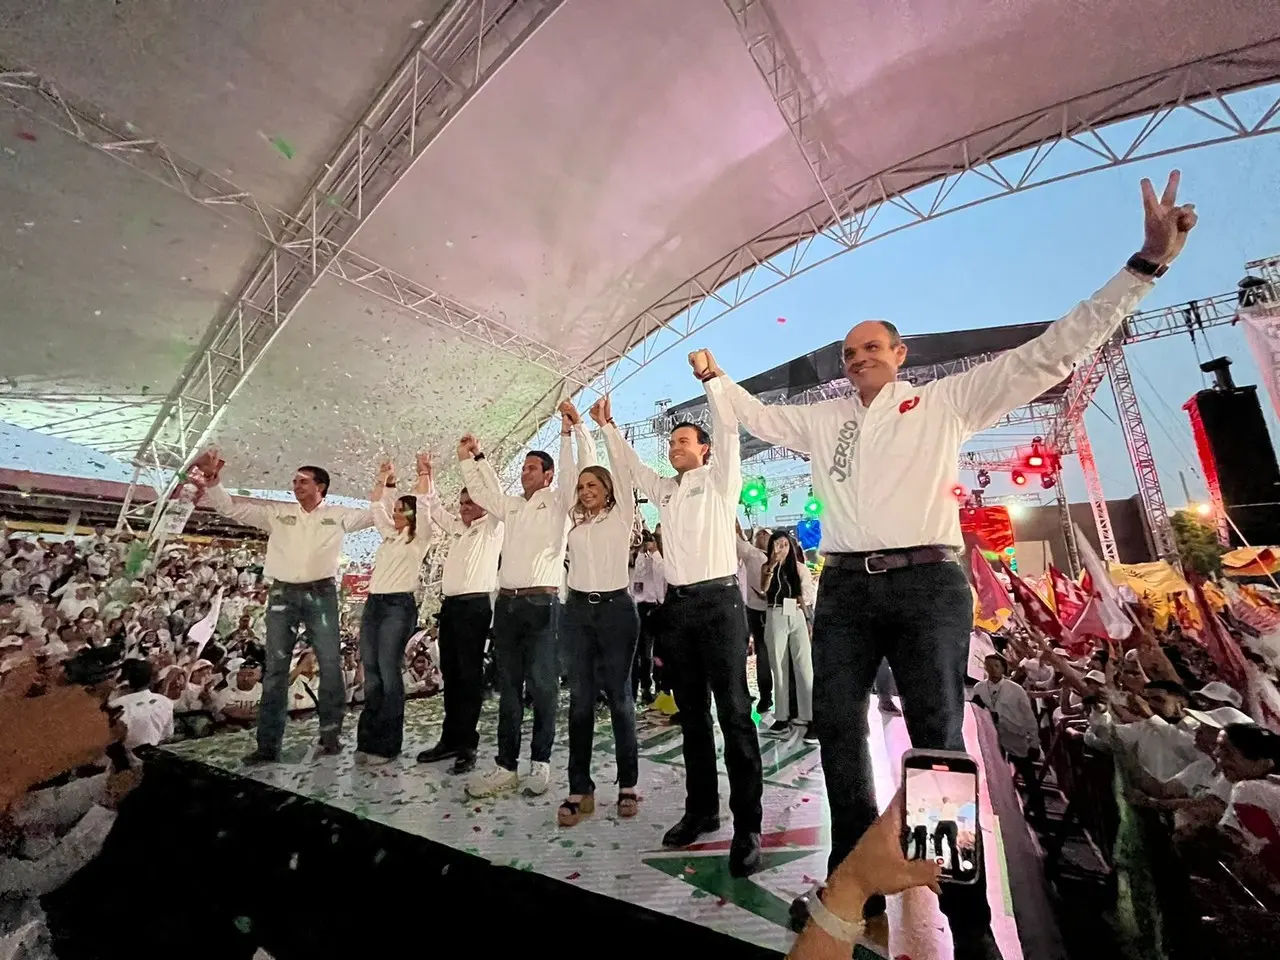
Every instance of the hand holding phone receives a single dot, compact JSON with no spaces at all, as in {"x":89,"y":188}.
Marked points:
{"x":940,"y":813}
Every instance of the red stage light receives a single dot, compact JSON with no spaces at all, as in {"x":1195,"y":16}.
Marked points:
{"x":1019,"y":478}
{"x":1035,"y":460}
{"x":958,"y":491}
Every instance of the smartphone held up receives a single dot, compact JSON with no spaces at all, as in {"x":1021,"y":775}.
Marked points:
{"x":940,"y":812}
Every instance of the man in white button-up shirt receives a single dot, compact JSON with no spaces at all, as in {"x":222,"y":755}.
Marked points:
{"x":884,"y":466}
{"x":467,"y":585}
{"x":529,"y":581}
{"x":303,"y":546}
{"x":648,"y":587}
{"x":704,"y":620}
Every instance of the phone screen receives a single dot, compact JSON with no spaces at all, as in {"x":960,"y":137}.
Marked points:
{"x":940,"y":812}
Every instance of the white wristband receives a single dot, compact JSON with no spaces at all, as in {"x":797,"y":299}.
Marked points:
{"x":843,"y":931}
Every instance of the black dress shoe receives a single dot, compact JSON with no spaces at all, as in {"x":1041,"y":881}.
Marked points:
{"x":258,"y":758}
{"x":441,"y":751}
{"x":744,"y":854}
{"x":465,"y":763}
{"x":689,"y":829}
{"x":330,"y":745}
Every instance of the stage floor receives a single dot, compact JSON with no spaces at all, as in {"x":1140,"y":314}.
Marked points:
{"x":624,"y":859}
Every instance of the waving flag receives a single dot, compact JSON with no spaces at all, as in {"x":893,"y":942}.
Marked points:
{"x":1035,"y":609}
{"x":993,"y":607}
{"x":1103,"y":616}
{"x":1069,"y":599}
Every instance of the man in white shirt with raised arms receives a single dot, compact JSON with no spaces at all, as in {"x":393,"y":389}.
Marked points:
{"x":704,"y":619}
{"x":884,"y":467}
{"x":468,"y":582}
{"x":303,"y":546}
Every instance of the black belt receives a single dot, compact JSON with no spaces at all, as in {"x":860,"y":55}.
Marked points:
{"x":687,"y":589}
{"x":286,"y":585}
{"x":597,"y":596}
{"x":467,"y":596}
{"x":527,"y":591}
{"x":882,"y":561}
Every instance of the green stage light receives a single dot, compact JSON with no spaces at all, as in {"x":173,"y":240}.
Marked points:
{"x":755,"y":493}
{"x":813,"y":506}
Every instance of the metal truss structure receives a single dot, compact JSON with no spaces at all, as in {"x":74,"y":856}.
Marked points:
{"x":874,"y":207}
{"x":1068,"y":529}
{"x":795,"y":101}
{"x":1097,"y":499}
{"x":1140,"y":455}
{"x":457,"y":56}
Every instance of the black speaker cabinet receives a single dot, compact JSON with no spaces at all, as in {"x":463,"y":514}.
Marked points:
{"x":1235,"y":447}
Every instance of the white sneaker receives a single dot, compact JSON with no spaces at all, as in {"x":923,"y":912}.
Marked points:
{"x":496,"y":781}
{"x":539,"y":779}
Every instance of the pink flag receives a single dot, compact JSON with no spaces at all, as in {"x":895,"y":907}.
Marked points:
{"x":1069,"y":599}
{"x":1103,"y":615}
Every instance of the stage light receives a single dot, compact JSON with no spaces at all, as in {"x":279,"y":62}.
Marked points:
{"x":809,"y":533}
{"x":1016,"y":510}
{"x":1203,"y":509}
{"x":1019,"y":478}
{"x":813,"y":506}
{"x":1048,"y":480}
{"x":1035,"y":460}
{"x":984,"y":479}
{"x":783,"y":500}
{"x":959,"y":492}
{"x":755,"y":493}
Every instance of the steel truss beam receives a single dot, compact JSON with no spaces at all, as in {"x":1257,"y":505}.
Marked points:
{"x":1144,"y":463}
{"x":1097,"y":499}
{"x":459,"y":53}
{"x":795,"y":101}
{"x":1109,"y":136}
{"x":1068,"y":528}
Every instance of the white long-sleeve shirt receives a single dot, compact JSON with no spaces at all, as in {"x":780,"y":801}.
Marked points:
{"x":699,"y":509}
{"x":1016,"y":724}
{"x":648,"y":581}
{"x":533,"y":547}
{"x":397,"y":566}
{"x":752,"y":561}
{"x":471,"y":565}
{"x":599,"y":547}
{"x":301,"y":546}
{"x":885,"y":473}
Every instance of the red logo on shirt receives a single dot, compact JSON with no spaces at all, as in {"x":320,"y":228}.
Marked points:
{"x":906,"y":405}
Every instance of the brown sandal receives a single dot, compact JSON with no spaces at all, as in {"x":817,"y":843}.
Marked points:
{"x":572,"y":812}
{"x":628,"y":804}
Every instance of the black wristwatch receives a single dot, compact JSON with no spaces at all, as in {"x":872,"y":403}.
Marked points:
{"x":1146,"y":268}
{"x":478,"y":457}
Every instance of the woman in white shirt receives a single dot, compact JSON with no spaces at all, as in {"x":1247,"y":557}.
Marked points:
{"x":389,"y":620}
{"x":787,"y":585}
{"x":601,"y":628}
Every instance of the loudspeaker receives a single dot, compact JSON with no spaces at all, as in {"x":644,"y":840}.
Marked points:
{"x":1235,"y":448}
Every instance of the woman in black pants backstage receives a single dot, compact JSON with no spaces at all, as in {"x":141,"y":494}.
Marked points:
{"x":601,"y":628}
{"x":390,"y":618}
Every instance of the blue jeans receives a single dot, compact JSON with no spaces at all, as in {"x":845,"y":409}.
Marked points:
{"x":524,"y":640}
{"x":601,"y":639}
{"x":387,"y":624}
{"x":919,"y":619}
{"x":315,"y":606}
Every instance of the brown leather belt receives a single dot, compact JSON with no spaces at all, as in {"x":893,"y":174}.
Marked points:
{"x":527,"y":591}
{"x":883,"y":561}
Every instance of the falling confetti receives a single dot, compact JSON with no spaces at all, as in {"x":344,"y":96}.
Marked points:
{"x":243,"y":924}
{"x":26,"y":135}
{"x":782,"y":319}
{"x":573,"y":876}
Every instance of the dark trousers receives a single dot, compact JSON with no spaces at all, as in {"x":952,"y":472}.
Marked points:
{"x":642,"y":666}
{"x":919,"y":619}
{"x":313,"y":606}
{"x":764,"y":673}
{"x":1026,"y":769}
{"x":386,"y":625}
{"x":947,"y":829}
{"x":707,"y":631}
{"x":464,"y":628}
{"x":885,"y":689}
{"x":601,"y":638}
{"x":919,"y":847}
{"x":525,"y":640}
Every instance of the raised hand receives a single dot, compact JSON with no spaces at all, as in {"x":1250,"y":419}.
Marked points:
{"x":210,"y":465}
{"x":702,"y":362}
{"x":424,"y":464}
{"x":1165,"y":223}
{"x":569,"y":415}
{"x":386,"y":473}
{"x":602,"y":410}
{"x":468,"y":447}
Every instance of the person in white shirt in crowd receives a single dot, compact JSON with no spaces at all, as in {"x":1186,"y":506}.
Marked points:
{"x":647,"y":589}
{"x":601,"y":629}
{"x":147,"y":715}
{"x":98,"y":563}
{"x":788,"y":590}
{"x":751,"y":560}
{"x":467,"y":584}
{"x":12,"y":577}
{"x":390,"y":617}
{"x":303,"y":545}
{"x":1017,"y":726}
{"x":526,"y":614}
{"x":240,"y":701}
{"x":884,"y":467}
{"x":75,"y":600}
{"x":704,"y":618}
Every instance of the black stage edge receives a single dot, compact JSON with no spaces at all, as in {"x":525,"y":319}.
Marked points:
{"x":1028,"y":888}
{"x":202,"y":863}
